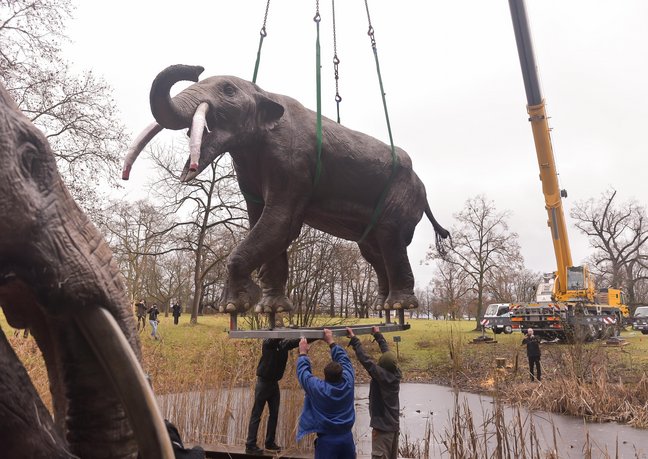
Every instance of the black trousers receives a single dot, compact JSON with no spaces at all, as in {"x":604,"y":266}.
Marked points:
{"x":264,"y":392}
{"x":175,"y":319}
{"x":535,"y":361}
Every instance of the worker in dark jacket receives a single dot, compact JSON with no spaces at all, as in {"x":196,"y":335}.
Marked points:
{"x":274,"y":355}
{"x":176,"y":310}
{"x":384,"y":404}
{"x":533,"y":353}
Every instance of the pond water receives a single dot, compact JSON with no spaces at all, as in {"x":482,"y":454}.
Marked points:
{"x":428,"y":411}
{"x":430,"y":406}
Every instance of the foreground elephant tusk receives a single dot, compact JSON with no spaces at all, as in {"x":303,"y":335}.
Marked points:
{"x":137,"y":146}
{"x":195,"y":138}
{"x":120,"y":364}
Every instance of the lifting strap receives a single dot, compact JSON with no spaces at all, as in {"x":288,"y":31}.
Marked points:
{"x":381,"y":200}
{"x":262,"y":34}
{"x":318,"y":84}
{"x":248,"y":196}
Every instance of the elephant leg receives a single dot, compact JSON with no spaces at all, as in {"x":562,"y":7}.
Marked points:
{"x":393,"y":245}
{"x":240,"y":292}
{"x":273,"y":276}
{"x":268,"y":239}
{"x":371,"y":252}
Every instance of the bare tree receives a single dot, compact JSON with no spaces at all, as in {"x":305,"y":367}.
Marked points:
{"x":482,"y":243}
{"x":168,"y":279}
{"x":618,"y":234}
{"x":207,"y":215}
{"x":512,"y":283}
{"x":76,"y":112}
{"x":451,"y":284}
{"x":132,"y":231}
{"x":311,"y":259}
{"x":361,"y":280}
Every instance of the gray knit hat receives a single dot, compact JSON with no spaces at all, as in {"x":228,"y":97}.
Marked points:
{"x":388,"y":361}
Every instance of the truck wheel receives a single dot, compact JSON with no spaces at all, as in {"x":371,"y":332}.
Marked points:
{"x":508,"y":330}
{"x":497,"y":331}
{"x":644,"y":332}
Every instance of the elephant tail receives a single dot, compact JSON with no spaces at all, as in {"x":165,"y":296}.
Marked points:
{"x":440,"y":232}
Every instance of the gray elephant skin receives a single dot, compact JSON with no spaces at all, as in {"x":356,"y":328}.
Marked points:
{"x":58,"y":278}
{"x":272,"y":141}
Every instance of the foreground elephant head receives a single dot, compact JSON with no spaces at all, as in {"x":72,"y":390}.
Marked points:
{"x":358,"y":189}
{"x":58,"y":278}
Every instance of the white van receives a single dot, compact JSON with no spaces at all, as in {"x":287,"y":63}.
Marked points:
{"x":497,"y":318}
{"x":640,"y":319}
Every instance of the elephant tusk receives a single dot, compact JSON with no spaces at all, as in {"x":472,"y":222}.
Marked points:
{"x":137,"y":146}
{"x":118,"y":360}
{"x":195,"y":138}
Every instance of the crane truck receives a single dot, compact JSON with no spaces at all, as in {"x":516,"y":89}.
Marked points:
{"x":568,"y":304}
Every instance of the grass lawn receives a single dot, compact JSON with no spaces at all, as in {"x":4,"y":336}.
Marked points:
{"x":202,"y":356}
{"x":431,"y":350}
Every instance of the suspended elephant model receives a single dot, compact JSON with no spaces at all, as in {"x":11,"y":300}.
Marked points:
{"x":272,"y":141}
{"x":58,"y":278}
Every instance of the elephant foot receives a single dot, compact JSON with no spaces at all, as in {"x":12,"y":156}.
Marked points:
{"x":379,"y":304}
{"x":274,"y":303}
{"x":235,"y":301}
{"x":401,"y":300}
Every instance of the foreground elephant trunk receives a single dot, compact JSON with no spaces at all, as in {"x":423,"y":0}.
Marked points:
{"x":58,"y":278}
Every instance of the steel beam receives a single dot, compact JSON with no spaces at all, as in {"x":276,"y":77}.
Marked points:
{"x":315,"y":333}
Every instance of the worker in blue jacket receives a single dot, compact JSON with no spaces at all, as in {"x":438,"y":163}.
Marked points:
{"x":328,"y":404}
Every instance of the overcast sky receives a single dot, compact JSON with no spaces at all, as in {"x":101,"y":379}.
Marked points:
{"x":453,"y":82}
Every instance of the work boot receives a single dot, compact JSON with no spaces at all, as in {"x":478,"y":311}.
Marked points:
{"x":272,"y":447}
{"x":253,"y":450}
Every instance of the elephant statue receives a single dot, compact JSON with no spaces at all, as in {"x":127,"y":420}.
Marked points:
{"x":357,"y":189}
{"x":58,"y":278}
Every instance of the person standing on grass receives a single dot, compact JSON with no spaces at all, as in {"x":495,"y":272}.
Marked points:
{"x":153,"y":319}
{"x":176,"y":313}
{"x":328,"y":404}
{"x":140,"y":310}
{"x":533,"y":353}
{"x":384,"y":404}
{"x":270,"y":370}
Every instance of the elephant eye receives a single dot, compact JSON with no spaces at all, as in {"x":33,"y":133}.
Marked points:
{"x":229,"y":90}
{"x":35,"y":165}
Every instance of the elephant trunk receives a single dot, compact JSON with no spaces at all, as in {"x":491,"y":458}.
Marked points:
{"x":58,"y":278}
{"x":173,"y":113}
{"x":107,"y":398}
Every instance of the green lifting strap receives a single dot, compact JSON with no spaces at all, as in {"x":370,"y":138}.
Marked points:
{"x":248,"y":196}
{"x":258,"y":59}
{"x":318,"y":83}
{"x":262,"y":34}
{"x":395,"y":163}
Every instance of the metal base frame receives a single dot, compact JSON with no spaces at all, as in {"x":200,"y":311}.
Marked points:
{"x":317,"y":332}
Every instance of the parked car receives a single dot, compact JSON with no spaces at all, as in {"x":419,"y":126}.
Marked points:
{"x":497,"y":318}
{"x":640,"y":319}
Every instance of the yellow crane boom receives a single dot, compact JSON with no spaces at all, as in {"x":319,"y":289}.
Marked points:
{"x":570,"y":282}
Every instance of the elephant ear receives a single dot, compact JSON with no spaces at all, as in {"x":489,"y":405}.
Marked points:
{"x":268,"y":112}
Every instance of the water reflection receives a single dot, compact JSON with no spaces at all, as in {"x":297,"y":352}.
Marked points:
{"x":431,"y":406}
{"x":427,"y":411}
